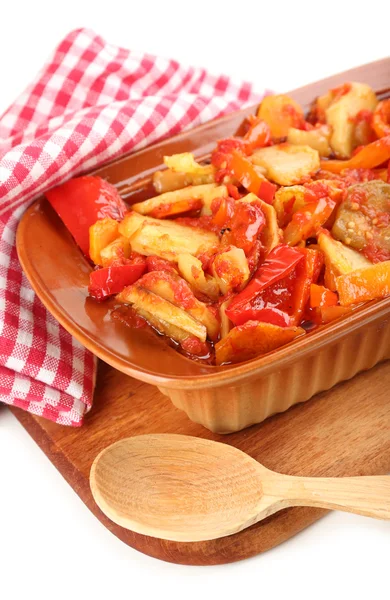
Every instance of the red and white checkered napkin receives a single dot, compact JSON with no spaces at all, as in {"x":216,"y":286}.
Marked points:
{"x":90,"y":103}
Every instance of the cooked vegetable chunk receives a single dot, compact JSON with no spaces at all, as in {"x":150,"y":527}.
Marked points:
{"x":270,"y":235}
{"x":365,"y":284}
{"x":167,"y":239}
{"x":340,"y":258}
{"x":168,"y":180}
{"x":101,"y":233}
{"x":117,"y":250}
{"x":341,"y":112}
{"x":381,"y":118}
{"x":253,"y":339}
{"x":108,"y":281}
{"x":173,"y":332}
{"x":185,"y":163}
{"x":287,"y":201}
{"x":363,"y":219}
{"x":368,"y":157}
{"x":318,"y":139}
{"x":230,"y":269}
{"x":179,"y":201}
{"x":287,"y":164}
{"x":191,"y":269}
{"x":280,"y":112}
{"x":306,"y":222}
{"x":173,"y":288}
{"x":226,"y":324}
{"x":81,"y":201}
{"x":161,"y":309}
{"x":320,"y":296}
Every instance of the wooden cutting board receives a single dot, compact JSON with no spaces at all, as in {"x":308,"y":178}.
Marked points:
{"x":345,"y":431}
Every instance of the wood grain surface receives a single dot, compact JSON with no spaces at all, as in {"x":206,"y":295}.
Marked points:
{"x":342,"y":432}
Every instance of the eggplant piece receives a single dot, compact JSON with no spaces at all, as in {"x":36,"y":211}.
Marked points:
{"x":175,"y":290}
{"x":191,"y":269}
{"x":180,"y":201}
{"x":230,"y":269}
{"x":145,"y":301}
{"x":364,"y":217}
{"x":165,"y":238}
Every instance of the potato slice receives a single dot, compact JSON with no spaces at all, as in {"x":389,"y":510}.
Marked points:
{"x":191,"y":269}
{"x":230,"y":269}
{"x":340,"y":258}
{"x":185,"y":163}
{"x":168,"y":180}
{"x":167,"y":239}
{"x":280,"y":112}
{"x":178,"y":201}
{"x":271,"y":235}
{"x":173,"y":288}
{"x":364,"y":284}
{"x":162,"y":310}
{"x":292,"y":197}
{"x":253,"y":339}
{"x":287,"y":164}
{"x":119,"y":248}
{"x":341,"y":112}
{"x":318,"y":139}
{"x":217,"y":192}
{"x":101,"y":233}
{"x":131,"y":223}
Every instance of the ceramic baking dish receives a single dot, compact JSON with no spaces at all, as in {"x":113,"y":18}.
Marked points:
{"x":223,"y":399}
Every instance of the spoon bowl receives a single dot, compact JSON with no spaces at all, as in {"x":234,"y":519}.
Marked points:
{"x":188,"y":489}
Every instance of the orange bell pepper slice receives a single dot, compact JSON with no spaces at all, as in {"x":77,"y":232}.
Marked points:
{"x":243,"y":170}
{"x":364,"y":284}
{"x":320,"y":296}
{"x":306,"y":222}
{"x":368,"y":157}
{"x":253,"y":339}
{"x":331,"y":313}
{"x":258,"y":134}
{"x":307,"y":273}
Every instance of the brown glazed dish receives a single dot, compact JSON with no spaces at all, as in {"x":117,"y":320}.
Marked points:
{"x":223,"y":399}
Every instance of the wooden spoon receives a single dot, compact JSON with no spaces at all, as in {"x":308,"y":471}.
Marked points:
{"x":187,"y":489}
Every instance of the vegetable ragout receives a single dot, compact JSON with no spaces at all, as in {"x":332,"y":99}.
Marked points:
{"x":282,"y":229}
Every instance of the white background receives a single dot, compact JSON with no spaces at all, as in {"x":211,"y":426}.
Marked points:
{"x":50,"y":544}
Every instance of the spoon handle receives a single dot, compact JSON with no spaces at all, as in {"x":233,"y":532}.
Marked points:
{"x":367,"y":496}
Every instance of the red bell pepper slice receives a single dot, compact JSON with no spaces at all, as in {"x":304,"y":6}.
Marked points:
{"x":268,"y":314}
{"x":279,"y":264}
{"x":112,"y":280}
{"x":244,"y":226}
{"x":82,"y":201}
{"x":307,"y":273}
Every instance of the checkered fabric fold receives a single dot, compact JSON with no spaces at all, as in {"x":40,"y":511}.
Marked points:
{"x":90,"y":103}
